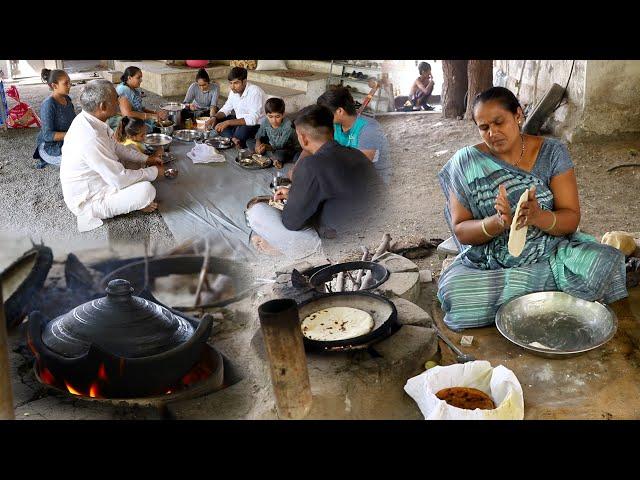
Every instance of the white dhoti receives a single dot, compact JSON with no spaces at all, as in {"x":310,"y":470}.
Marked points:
{"x":266,"y":221}
{"x":113,"y":203}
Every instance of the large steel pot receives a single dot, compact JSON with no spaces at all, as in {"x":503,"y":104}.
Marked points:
{"x":175,"y":113}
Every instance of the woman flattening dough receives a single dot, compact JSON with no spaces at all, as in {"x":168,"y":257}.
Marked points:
{"x":483,"y":185}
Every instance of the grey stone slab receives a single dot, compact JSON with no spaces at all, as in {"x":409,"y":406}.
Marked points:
{"x":405,"y":285}
{"x":448,"y":247}
{"x":411,"y":314}
{"x":411,"y":345}
{"x":397,"y":263}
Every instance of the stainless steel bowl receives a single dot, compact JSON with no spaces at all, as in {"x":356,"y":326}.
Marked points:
{"x":165,"y":126}
{"x":188,"y":135}
{"x":556,"y":324}
{"x":157,"y":140}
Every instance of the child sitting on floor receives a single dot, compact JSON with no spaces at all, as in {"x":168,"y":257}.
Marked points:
{"x":276,"y":136}
{"x":131,"y":131}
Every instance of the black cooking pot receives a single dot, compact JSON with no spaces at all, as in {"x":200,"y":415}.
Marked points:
{"x":134,"y":346}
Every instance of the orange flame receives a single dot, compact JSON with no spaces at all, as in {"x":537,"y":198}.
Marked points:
{"x":72,"y":390}
{"x":47,"y":377}
{"x":94,"y":392}
{"x":102,"y":372}
{"x":199,"y":372}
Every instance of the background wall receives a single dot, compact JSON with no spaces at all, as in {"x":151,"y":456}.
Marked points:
{"x":537,"y":77}
{"x":612,"y":98}
{"x":603,"y":95}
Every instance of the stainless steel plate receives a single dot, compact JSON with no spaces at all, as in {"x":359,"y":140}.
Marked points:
{"x":188,"y":135}
{"x":221,"y":143}
{"x":157,"y":140}
{"x":556,"y":324}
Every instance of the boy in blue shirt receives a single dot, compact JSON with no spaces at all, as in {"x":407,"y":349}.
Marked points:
{"x":276,"y":137}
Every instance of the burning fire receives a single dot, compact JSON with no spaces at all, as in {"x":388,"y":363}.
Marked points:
{"x":94,"y":392}
{"x":198,"y":373}
{"x":46,"y":377}
{"x":72,"y":390}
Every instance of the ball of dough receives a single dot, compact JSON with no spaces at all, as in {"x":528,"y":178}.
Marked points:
{"x":623,"y":241}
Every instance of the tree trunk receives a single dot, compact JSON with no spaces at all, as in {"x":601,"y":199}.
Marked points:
{"x":480,"y":75}
{"x":454,"y":87}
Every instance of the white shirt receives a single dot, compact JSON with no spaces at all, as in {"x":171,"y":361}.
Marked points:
{"x":92,"y":167}
{"x":249,"y":105}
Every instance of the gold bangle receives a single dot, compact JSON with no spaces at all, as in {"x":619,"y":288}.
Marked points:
{"x":554,"y":221}
{"x":484,"y":229}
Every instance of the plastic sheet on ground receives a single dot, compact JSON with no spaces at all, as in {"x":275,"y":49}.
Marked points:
{"x":210,"y":200}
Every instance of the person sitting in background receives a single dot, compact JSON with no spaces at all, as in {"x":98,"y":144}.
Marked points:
{"x":56,"y":114}
{"x":333,"y":186}
{"x":95,"y":181}
{"x":246,"y":101}
{"x":276,"y":136}
{"x":357,"y":131}
{"x":202,"y":95}
{"x":422,"y":87}
{"x":131,"y":132}
{"x":130,"y":100}
{"x":482,"y":185}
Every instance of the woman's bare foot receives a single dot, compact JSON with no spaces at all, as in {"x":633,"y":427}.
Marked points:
{"x":261,"y":245}
{"x":152,"y":207}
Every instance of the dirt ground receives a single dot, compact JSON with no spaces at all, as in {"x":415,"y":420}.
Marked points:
{"x":420,"y":144}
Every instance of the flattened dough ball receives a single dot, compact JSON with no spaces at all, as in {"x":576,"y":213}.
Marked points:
{"x":517,"y":238}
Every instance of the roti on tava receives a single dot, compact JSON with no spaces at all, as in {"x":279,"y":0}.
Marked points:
{"x":337,"y":323}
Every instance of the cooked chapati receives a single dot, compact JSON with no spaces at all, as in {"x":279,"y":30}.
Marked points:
{"x":337,"y":323}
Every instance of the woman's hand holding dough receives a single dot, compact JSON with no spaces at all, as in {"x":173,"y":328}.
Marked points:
{"x":530,"y":211}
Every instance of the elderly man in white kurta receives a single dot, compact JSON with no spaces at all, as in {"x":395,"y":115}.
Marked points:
{"x":100,"y":177}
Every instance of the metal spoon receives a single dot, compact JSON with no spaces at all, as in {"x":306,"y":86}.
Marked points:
{"x":460,"y":357}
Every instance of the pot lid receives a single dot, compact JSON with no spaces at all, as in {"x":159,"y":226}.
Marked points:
{"x":120,"y":323}
{"x":172,"y":106}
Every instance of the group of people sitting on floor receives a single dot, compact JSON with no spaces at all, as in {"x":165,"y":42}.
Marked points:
{"x":343,"y":158}
{"x":107,"y":173}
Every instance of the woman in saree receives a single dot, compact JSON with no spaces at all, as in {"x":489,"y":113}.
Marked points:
{"x":482,"y":185}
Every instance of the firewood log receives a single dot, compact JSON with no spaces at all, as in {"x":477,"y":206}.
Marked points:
{"x":383,"y":248}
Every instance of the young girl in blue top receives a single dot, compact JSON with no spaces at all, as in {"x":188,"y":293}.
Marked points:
{"x":56,"y":114}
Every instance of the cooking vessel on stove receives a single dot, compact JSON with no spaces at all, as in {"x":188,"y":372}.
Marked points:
{"x":382,"y":310}
{"x":139,"y":346}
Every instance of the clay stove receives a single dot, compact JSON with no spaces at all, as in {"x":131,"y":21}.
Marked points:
{"x":121,"y":346}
